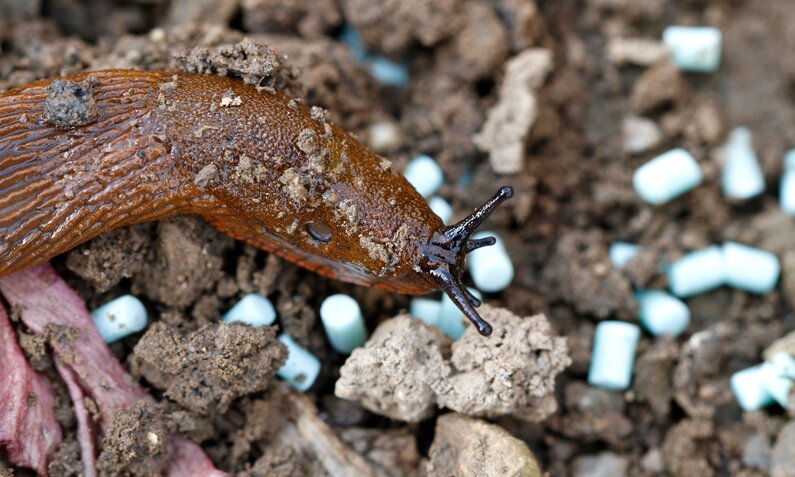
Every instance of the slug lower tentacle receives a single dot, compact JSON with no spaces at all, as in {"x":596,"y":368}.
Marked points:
{"x":91,"y":152}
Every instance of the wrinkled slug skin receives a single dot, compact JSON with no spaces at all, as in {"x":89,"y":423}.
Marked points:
{"x":257,"y":165}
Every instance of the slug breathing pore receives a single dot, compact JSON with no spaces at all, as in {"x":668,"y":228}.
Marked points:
{"x":444,"y":255}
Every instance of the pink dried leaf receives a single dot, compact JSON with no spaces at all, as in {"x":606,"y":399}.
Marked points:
{"x":15,"y":376}
{"x":85,"y":432}
{"x":188,"y":459}
{"x":28,"y":429}
{"x":44,"y":299}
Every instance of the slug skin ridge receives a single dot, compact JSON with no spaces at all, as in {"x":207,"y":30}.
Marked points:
{"x":256,"y":165}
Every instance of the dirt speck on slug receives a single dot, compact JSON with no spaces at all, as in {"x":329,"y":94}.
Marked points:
{"x":207,"y":175}
{"x":71,"y":104}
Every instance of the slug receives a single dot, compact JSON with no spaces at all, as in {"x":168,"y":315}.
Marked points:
{"x":90,"y":152}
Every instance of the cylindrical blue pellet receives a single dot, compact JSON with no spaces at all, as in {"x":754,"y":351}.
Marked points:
{"x":388,"y":72}
{"x":787,"y":192}
{"x":750,"y":269}
{"x":344,"y":324}
{"x":119,"y":318}
{"x":789,"y":160}
{"x":301,"y":368}
{"x":613,"y":357}
{"x":667,"y":176}
{"x":748,"y":390}
{"x":424,"y":174}
{"x":694,"y":49}
{"x":697,"y":272}
{"x":661,"y":313}
{"x":622,"y":252}
{"x":777,"y":375}
{"x":442,"y":208}
{"x":742,"y":176}
{"x":253,"y":309}
{"x":426,"y":310}
{"x":490,"y":267}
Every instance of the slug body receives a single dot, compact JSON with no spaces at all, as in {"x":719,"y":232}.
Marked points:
{"x":255,"y":164}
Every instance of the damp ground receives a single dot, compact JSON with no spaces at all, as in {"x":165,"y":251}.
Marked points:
{"x":594,"y":118}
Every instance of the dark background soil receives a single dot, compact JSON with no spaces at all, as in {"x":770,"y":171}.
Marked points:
{"x":574,"y":198}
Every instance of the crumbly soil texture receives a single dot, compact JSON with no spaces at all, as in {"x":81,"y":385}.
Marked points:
{"x":561,"y":99}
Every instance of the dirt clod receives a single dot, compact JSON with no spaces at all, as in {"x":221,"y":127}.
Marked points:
{"x":207,"y":369}
{"x":393,"y":373}
{"x":511,"y":372}
{"x":136,"y":443}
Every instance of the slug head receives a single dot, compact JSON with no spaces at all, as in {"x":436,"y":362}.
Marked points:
{"x":443,"y":257}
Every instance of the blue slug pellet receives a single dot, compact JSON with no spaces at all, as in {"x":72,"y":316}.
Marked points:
{"x":742,"y":176}
{"x":253,"y":309}
{"x":667,"y":176}
{"x":301,"y":368}
{"x":661,"y":313}
{"x":750,"y":269}
{"x":697,"y":272}
{"x":344,"y":324}
{"x":694,"y":49}
{"x":613,"y":356}
{"x":120,"y":318}
{"x":622,"y":252}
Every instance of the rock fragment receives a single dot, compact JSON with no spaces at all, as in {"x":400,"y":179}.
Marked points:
{"x":466,"y":446}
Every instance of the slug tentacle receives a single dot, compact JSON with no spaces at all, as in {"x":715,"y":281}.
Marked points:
{"x":444,"y":255}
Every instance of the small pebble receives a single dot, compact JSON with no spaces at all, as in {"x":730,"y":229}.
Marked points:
{"x":742,"y":176}
{"x":442,"y":208}
{"x":157,"y":35}
{"x":253,"y":310}
{"x":490,"y":266}
{"x":756,"y":452}
{"x":622,"y":252}
{"x":119,"y":318}
{"x":383,"y":136}
{"x":694,"y":49}
{"x":425,"y":175}
{"x":606,"y":464}
{"x":784,"y":343}
{"x":667,"y":176}
{"x":636,"y":51}
{"x":451,"y":320}
{"x":777,"y":375}
{"x":750,"y":269}
{"x":426,"y":309}
{"x":388,"y":72}
{"x":613,"y":356}
{"x":661,"y":313}
{"x":344,"y":324}
{"x":782,"y":456}
{"x":697,"y":272}
{"x":640,"y":134}
{"x":748,"y":391}
{"x":301,"y":368}
{"x":787,"y":192}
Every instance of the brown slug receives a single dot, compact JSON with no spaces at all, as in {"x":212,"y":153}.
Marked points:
{"x":90,"y":152}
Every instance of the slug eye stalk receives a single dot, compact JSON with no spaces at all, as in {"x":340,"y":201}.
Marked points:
{"x":444,"y":255}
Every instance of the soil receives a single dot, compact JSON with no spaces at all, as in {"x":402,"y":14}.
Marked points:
{"x":603,"y":105}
